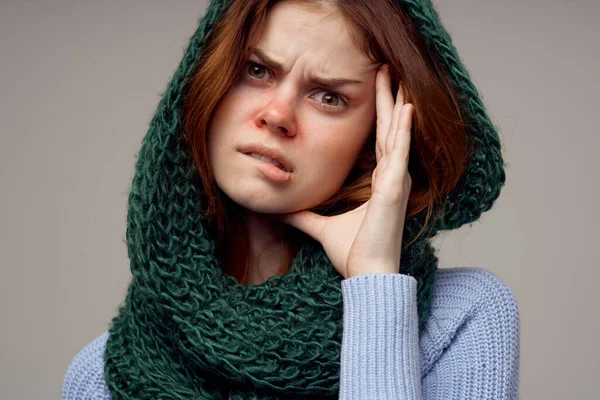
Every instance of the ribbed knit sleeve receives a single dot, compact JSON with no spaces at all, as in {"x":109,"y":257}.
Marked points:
{"x":468,"y":350}
{"x":380,"y":343}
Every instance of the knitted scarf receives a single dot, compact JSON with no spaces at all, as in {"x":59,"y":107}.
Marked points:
{"x":189,"y":331}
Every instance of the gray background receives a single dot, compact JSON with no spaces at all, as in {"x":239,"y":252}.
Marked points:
{"x":80,"y":80}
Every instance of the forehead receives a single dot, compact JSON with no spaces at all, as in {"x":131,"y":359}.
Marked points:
{"x":317,"y":38}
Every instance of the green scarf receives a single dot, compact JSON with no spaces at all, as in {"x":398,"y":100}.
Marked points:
{"x":189,"y":331}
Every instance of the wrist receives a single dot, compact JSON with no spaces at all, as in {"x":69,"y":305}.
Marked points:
{"x":382,"y":269}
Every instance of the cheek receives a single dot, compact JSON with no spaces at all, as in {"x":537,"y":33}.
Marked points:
{"x":339,"y":144}
{"x":334,"y":155}
{"x":228,"y":109}
{"x":232,"y":108}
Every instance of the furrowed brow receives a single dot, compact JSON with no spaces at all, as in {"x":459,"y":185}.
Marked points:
{"x":321,"y":81}
{"x":265,"y":59}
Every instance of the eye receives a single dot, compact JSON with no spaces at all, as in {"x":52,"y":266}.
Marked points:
{"x":331,"y":99}
{"x":255,"y":71}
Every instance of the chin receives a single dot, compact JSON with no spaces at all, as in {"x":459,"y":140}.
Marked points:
{"x":261,"y":201}
{"x":266,"y":207}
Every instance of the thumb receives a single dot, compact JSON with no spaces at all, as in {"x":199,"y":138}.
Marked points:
{"x":307,"y":221}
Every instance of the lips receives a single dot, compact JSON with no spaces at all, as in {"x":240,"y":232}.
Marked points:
{"x":268,"y":160}
{"x":268,"y":154}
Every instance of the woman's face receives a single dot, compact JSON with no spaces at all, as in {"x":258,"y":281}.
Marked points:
{"x":319,"y":128}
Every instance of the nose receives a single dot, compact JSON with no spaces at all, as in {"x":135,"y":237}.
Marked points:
{"x":278,"y":117}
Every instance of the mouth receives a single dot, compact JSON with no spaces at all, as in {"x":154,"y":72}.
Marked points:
{"x":268,"y":160}
{"x":269,"y":155}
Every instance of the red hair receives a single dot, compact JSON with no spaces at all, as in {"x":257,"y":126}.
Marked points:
{"x":381,"y":29}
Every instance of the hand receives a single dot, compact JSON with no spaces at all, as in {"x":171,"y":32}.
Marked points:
{"x":368,"y":239}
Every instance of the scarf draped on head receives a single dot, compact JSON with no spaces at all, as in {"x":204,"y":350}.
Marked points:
{"x":189,"y":331}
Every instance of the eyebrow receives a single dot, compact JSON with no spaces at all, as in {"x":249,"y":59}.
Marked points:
{"x":329,"y":82}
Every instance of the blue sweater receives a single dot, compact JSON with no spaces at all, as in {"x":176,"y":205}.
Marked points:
{"x":468,"y":350}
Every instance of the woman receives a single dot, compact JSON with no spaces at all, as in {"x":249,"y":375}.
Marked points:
{"x":279,"y":220}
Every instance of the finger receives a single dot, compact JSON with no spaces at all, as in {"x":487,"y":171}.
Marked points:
{"x":306,"y":221}
{"x":389,"y":143}
{"x":384,"y":103}
{"x":402,"y":139}
{"x":395,"y":164}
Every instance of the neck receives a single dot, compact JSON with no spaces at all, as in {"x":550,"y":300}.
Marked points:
{"x":268,"y":248}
